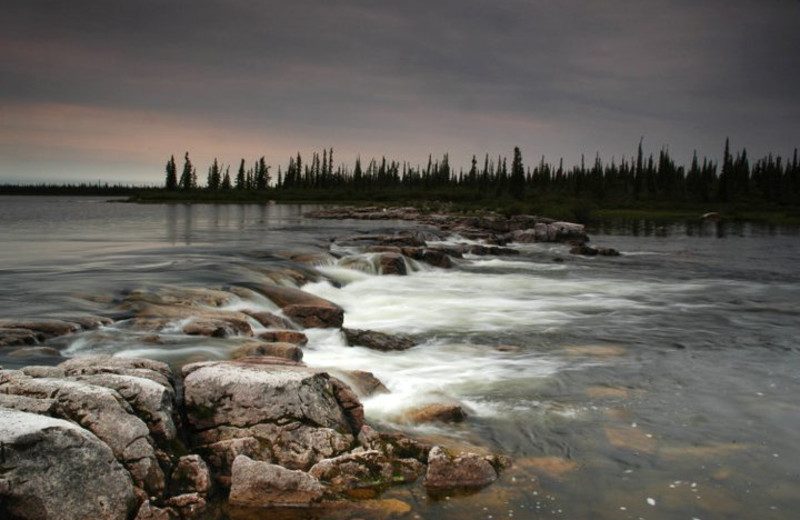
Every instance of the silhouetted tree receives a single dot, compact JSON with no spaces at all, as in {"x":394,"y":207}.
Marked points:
{"x":226,"y":179}
{"x":186,"y":182}
{"x":241,"y":179}
{"x":214,"y":179}
{"x":172,"y":174}
{"x":516,"y":184}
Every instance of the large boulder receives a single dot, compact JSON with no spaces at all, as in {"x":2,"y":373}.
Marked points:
{"x":103,"y":412}
{"x":151,"y":402}
{"x":261,"y":484}
{"x":53,"y":469}
{"x":306,"y":309}
{"x":286,"y":413}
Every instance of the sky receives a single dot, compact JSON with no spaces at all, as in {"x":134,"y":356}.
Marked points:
{"x":103,"y":90}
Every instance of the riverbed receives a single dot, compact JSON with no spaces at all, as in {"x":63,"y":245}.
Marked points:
{"x":658,"y":384}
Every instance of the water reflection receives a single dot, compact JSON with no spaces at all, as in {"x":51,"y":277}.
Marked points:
{"x":689,"y":227}
{"x":189,"y":224}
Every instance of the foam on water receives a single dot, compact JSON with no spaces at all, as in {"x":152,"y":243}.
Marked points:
{"x":433,"y":372}
{"x":457,"y":301}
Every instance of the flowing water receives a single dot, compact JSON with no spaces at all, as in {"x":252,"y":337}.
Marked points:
{"x":659,"y":384}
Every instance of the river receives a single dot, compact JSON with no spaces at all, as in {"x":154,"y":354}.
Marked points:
{"x":659,"y":384}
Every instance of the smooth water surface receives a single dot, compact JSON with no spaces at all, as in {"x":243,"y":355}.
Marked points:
{"x":659,"y":384}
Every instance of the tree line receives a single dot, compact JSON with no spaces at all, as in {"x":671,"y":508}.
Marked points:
{"x":639,"y":178}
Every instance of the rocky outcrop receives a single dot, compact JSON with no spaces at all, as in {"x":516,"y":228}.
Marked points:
{"x":46,"y":464}
{"x":290,"y":411}
{"x":366,"y":213}
{"x":103,"y":412}
{"x":270,"y":431}
{"x":377,"y":340}
{"x":304,"y":308}
{"x":261,"y":484}
{"x":493,"y":228}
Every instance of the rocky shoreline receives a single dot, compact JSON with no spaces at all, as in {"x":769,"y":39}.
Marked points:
{"x":258,"y":430}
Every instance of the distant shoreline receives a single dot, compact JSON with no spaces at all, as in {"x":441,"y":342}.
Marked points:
{"x":576,"y":209}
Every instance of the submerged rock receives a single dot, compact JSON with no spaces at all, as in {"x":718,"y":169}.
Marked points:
{"x":284,"y":336}
{"x":365,"y":383}
{"x":377,"y":340}
{"x":433,"y":256}
{"x":46,"y":465}
{"x":481,"y":250}
{"x":270,"y":320}
{"x":392,"y":264}
{"x":447,"y":413}
{"x":198,"y":321}
{"x":585,"y":250}
{"x":304,"y":308}
{"x":175,"y":296}
{"x":280,"y":350}
{"x":217,"y":328}
{"x":13,"y":336}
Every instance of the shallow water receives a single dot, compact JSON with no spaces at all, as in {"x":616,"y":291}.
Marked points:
{"x":659,"y":384}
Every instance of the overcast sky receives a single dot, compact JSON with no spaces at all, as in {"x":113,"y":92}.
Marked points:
{"x":107,"y":90}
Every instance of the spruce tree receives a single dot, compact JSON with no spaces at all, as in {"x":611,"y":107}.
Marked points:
{"x":240,"y":178}
{"x":186,"y":177}
{"x":226,"y":180}
{"x":172,"y":174}
{"x":517,"y":180}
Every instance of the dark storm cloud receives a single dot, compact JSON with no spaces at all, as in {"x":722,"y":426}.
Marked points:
{"x":417,"y":76}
